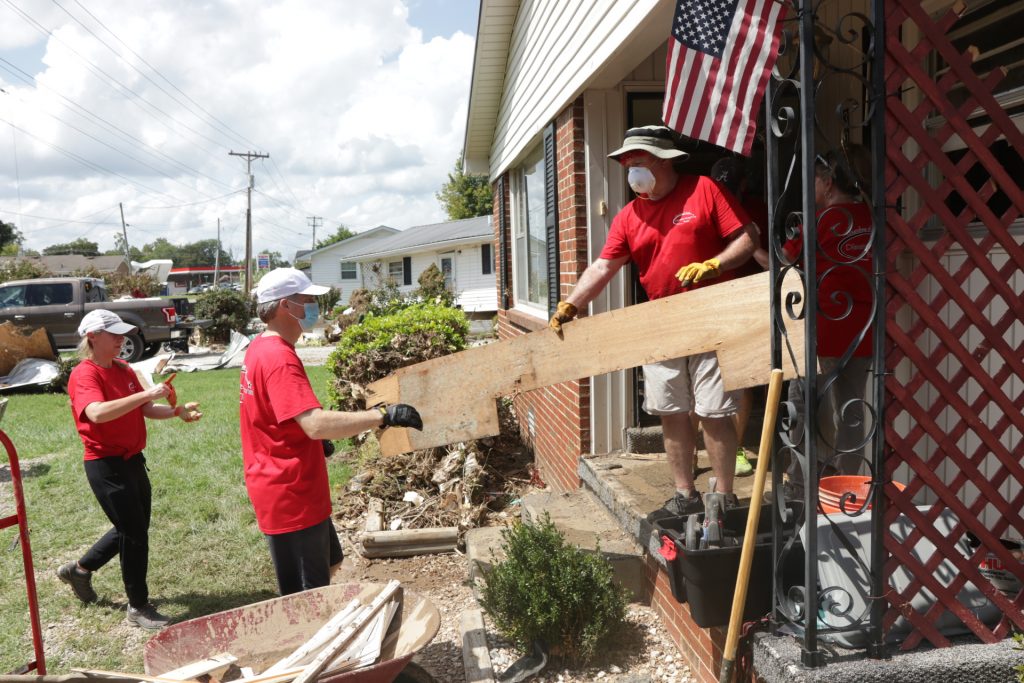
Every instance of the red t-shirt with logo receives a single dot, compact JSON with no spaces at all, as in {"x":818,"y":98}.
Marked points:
{"x":690,"y":224}
{"x":285,"y":470}
{"x":91,"y":383}
{"x":844,"y":275}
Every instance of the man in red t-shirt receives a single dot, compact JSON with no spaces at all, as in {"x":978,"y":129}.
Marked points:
{"x":282,"y":425}
{"x":681,"y":231}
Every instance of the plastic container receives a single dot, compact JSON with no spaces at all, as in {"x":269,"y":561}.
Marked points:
{"x":707,"y":578}
{"x":832,"y":489}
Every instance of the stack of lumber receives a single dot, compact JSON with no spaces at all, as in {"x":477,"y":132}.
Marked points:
{"x":351,"y":639}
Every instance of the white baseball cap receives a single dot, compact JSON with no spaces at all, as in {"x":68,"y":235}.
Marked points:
{"x":284,"y":282}
{"x":105,"y":321}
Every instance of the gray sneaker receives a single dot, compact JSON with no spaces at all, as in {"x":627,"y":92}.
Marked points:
{"x":678,"y":506}
{"x":147,"y":617}
{"x":81,"y":583}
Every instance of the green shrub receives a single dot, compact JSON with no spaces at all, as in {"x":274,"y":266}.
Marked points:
{"x":380,"y":344}
{"x":1019,"y":639}
{"x":229,"y":310}
{"x":121,"y":284}
{"x":433,"y":288}
{"x":328,"y":301}
{"x":551,"y":590}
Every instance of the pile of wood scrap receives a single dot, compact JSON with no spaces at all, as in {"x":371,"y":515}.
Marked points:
{"x":349,"y":640}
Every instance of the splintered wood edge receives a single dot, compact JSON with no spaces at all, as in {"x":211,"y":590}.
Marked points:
{"x":387,"y":390}
{"x":394,"y":441}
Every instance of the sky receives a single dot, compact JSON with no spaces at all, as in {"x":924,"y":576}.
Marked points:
{"x":361,"y":107}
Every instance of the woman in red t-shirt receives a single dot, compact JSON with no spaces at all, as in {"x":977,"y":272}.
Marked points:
{"x":845,"y":308}
{"x":110,"y":406}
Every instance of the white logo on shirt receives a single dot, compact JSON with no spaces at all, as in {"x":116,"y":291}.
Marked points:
{"x":684,"y":217}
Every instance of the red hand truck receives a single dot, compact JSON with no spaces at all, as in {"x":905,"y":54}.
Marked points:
{"x":19,"y":518}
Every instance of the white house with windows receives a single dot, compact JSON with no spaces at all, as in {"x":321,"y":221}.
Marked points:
{"x":331,"y":266}
{"x":463,"y":250}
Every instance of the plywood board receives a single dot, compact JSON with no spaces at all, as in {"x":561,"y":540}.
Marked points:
{"x":18,"y":343}
{"x":455,"y":394}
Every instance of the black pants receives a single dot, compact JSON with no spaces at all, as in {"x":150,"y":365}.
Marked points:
{"x":303,"y":559}
{"x":122,"y":489}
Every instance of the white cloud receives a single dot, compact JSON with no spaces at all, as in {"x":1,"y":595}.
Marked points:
{"x":361,"y":118}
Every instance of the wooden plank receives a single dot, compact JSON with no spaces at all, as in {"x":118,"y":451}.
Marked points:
{"x":323,"y":636}
{"x":198,"y":668}
{"x":313,"y":669}
{"x":374,"y":551}
{"x":375,"y":515}
{"x":431,"y":535}
{"x":122,"y":675}
{"x":476,"y":658}
{"x":454,"y":394}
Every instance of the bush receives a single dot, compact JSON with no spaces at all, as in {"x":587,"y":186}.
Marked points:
{"x":22,"y":269}
{"x":549,"y":590}
{"x":229,"y":310}
{"x":380,"y":344}
{"x":328,"y":301}
{"x":433,"y":288}
{"x":120,"y":284}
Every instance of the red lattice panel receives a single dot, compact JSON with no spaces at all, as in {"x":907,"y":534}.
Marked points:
{"x":926,"y":382}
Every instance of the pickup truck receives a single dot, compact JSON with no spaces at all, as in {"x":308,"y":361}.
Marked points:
{"x":59,"y":303}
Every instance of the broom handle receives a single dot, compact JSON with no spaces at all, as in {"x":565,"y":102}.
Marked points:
{"x":771,"y":411}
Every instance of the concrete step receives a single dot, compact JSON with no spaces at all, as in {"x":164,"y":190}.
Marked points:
{"x":585,"y":523}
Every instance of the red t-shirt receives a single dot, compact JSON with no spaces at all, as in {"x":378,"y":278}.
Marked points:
{"x":285,"y":470}
{"x":690,"y":224}
{"x":844,"y":275}
{"x":91,"y":383}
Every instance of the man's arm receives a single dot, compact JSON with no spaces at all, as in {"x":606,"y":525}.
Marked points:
{"x":594,"y":279}
{"x":739,"y":250}
{"x":335,"y":424}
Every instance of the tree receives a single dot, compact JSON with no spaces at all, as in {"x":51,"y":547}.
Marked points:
{"x":342,"y":233}
{"x":465,"y":196}
{"x":80,"y":246}
{"x":134,"y":253}
{"x":9,"y":237}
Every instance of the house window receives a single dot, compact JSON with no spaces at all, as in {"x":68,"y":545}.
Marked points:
{"x":395,"y":271}
{"x":349,"y":270}
{"x":530,"y":244}
{"x":486,"y":260}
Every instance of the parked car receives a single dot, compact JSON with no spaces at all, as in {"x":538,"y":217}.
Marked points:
{"x":58,"y":304}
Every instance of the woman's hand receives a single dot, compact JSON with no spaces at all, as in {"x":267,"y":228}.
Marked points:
{"x":157,"y":392}
{"x":188,"y":412}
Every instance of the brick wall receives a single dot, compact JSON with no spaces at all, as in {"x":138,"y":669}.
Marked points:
{"x":555,"y":420}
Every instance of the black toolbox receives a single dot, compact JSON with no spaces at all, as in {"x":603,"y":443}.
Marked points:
{"x":707,"y":578}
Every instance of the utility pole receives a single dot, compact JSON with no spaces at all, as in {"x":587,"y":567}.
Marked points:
{"x":313,"y":221}
{"x":124,"y":233}
{"x":216,"y":259}
{"x":249,"y":156}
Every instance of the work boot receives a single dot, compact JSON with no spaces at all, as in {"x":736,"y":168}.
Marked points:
{"x":79,"y":580}
{"x":147,"y":617}
{"x":743,"y":466}
{"x":678,"y":506}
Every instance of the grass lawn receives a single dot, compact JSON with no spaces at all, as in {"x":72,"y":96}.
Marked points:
{"x":206,"y":553}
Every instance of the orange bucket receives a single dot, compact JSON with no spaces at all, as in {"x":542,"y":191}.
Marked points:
{"x":832,"y":489}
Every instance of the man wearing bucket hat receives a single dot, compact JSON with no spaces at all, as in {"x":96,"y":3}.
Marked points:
{"x":110,"y":406}
{"x":682,"y":232}
{"x":282,"y":424}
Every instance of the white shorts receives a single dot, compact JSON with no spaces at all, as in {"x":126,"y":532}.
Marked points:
{"x":690,"y":383}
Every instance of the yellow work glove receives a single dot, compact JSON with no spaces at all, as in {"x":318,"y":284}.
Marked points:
{"x":563,"y":314}
{"x":695,"y":272}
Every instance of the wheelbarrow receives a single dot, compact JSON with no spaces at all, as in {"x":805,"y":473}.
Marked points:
{"x":264,"y":632}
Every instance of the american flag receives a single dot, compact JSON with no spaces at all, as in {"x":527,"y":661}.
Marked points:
{"x":720,"y":55}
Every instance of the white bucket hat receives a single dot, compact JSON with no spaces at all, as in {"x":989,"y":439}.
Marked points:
{"x":284,"y":282}
{"x":102,"y":320}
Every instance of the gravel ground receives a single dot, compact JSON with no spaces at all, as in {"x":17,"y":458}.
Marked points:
{"x":644,"y":653}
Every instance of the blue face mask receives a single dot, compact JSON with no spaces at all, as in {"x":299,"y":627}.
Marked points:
{"x":311,"y":313}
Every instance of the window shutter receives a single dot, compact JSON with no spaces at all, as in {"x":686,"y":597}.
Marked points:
{"x":551,"y":216}
{"x":503,"y":244}
{"x":485,"y":259}
{"x":407,"y":270}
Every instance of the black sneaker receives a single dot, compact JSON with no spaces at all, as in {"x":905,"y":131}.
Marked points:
{"x":147,"y":617}
{"x":81,"y":583}
{"x":678,"y":506}
{"x":731,"y":501}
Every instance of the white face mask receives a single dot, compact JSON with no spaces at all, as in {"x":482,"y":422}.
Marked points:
{"x":640,"y":179}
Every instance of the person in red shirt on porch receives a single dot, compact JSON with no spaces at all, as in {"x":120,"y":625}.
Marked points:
{"x":282,"y":425}
{"x":682,"y":232}
{"x":845,"y":308}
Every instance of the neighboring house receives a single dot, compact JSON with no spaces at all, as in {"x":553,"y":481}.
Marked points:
{"x":331,"y":266}
{"x":556,"y":84}
{"x":70,"y":264}
{"x":462,"y":250}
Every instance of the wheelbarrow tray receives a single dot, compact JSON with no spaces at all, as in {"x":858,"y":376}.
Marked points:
{"x":265,"y":632}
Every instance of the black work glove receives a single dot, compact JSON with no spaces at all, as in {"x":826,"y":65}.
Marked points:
{"x":328,"y":447}
{"x":400,"y":415}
